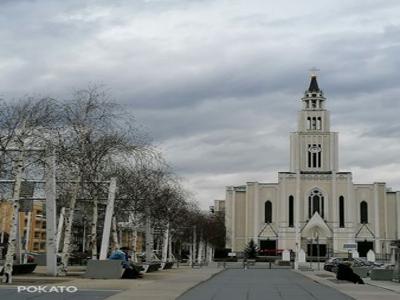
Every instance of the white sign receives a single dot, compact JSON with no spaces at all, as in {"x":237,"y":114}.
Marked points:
{"x":286,"y":255}
{"x":231,"y":254}
{"x":350,"y":246}
{"x":371,"y":256}
{"x":302,"y":256}
{"x":355,"y":254}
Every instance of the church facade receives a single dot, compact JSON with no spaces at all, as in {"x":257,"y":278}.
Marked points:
{"x":313,"y":206}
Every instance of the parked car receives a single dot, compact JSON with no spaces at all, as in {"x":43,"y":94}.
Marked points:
{"x":363,"y":262}
{"x":331,"y":265}
{"x":270,"y":252}
{"x":30,"y":257}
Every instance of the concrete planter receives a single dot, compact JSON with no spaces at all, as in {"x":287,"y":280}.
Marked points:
{"x":361,"y":271}
{"x":381,"y":274}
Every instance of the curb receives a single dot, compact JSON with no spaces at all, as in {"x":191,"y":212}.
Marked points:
{"x":321,"y":281}
{"x":385,"y":288}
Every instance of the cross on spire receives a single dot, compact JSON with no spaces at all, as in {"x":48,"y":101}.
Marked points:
{"x":314,"y":71}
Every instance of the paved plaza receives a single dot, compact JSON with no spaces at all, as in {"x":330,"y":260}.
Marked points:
{"x":161,"y":285}
{"x":206,"y":283}
{"x":239,"y":284}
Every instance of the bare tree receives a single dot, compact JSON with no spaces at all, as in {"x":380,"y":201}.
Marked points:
{"x":23,"y":128}
{"x":96,"y":134}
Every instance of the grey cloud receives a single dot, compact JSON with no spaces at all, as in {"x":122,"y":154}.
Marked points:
{"x":218,"y":83}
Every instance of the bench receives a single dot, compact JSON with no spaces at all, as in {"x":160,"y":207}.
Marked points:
{"x":286,"y":263}
{"x":381,"y":274}
{"x":19,"y":269}
{"x":111,"y":269}
{"x":167,"y":265}
{"x":251,"y":262}
{"x":151,"y":267}
{"x":304,"y":267}
{"x":104,"y":269}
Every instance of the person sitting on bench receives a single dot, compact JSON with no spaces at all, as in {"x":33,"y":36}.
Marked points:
{"x":345,"y":272}
{"x":131,"y":271}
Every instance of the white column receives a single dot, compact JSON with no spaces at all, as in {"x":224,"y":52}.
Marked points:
{"x":350,"y":209}
{"x":334,"y":211}
{"x":233,"y":219}
{"x":387,"y":246}
{"x":376,"y":217}
{"x":108,"y":218}
{"x":398,"y":214}
{"x":283,"y":214}
{"x":256,"y":213}
{"x":297,"y":217}
{"x":246,"y":211}
{"x":51,"y":218}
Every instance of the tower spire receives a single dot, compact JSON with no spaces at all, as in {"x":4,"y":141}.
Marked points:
{"x":313,"y":82}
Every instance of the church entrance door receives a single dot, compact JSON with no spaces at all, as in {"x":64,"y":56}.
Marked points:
{"x":268,"y":247}
{"x":364,"y":247}
{"x":312,"y":250}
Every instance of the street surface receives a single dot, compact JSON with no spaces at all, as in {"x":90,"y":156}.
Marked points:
{"x":12,"y":294}
{"x":274,"y":284}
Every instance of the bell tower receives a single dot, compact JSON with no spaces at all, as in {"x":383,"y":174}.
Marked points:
{"x":313,"y":147}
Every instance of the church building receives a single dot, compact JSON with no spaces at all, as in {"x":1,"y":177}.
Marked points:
{"x":314,"y":206}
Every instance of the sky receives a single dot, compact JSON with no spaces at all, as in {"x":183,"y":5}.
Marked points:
{"x":216,"y":83}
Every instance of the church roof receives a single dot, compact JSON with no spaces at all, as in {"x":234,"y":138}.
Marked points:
{"x":313,"y":84}
{"x":316,"y":224}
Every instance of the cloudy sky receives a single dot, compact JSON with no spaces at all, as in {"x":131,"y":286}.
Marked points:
{"x":217,"y":83}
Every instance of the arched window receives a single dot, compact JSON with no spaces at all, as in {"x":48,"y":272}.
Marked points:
{"x":308,"y":123}
{"x":291,"y":211}
{"x":363,"y":212}
{"x":316,"y":203}
{"x":319,"y":125}
{"x":314,"y":155}
{"x":314,"y":123}
{"x":268,"y":212}
{"x":341,"y":212}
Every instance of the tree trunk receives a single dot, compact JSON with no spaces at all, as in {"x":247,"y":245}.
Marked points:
{"x":171,"y":256}
{"x":116,"y":244}
{"x":60,"y":228}
{"x":93,"y":236}
{"x":149,"y":237}
{"x":194,"y":246}
{"x":12,"y":240}
{"x":68,"y":230}
{"x":27,"y":235}
{"x":134,"y":249}
{"x":201,"y":247}
{"x":210,"y":253}
{"x":164,"y":256}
